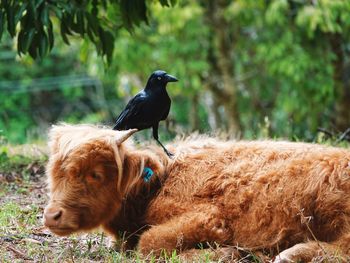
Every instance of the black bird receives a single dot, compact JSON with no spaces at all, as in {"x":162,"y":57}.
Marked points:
{"x":150,"y":106}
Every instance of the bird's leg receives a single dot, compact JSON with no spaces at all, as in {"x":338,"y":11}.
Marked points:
{"x":155,"y":136}
{"x":170,"y":155}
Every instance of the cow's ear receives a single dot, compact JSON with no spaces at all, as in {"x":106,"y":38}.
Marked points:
{"x":156,"y":163}
{"x":146,"y":159}
{"x":55,"y":134}
{"x":124,"y":135}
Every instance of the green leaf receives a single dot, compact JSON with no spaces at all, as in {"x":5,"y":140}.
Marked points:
{"x":65,"y":6}
{"x":20,"y":40}
{"x":38,"y":3}
{"x":57,"y":11}
{"x":91,"y":34}
{"x":71,"y":22}
{"x":276,"y":12}
{"x":133,"y":12}
{"x":19,"y":12}
{"x":94,"y":9}
{"x":44,"y":45}
{"x":32,"y":10}
{"x":33,"y":51}
{"x":44,"y":16}
{"x":164,"y":2}
{"x":92,"y":23}
{"x":64,"y":31}
{"x":81,"y":22}
{"x":107,"y":41}
{"x":27,"y":40}
{"x":11,"y":27}
{"x":50,"y":36}
{"x":67,"y":22}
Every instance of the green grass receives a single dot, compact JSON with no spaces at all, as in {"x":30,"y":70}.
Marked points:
{"x":18,"y":163}
{"x":8,"y":212}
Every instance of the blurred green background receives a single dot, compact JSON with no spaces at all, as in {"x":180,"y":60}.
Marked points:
{"x":247,"y":68}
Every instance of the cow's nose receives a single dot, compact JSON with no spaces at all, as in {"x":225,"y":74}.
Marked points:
{"x":52,"y":218}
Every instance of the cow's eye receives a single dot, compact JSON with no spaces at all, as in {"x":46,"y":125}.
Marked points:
{"x":96,"y":176}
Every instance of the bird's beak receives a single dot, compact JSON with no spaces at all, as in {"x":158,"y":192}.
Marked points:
{"x":170,"y":78}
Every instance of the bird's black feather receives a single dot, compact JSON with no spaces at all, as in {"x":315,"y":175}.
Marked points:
{"x":131,"y":113}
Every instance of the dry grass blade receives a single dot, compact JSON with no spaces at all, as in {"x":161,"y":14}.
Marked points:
{"x":18,"y":252}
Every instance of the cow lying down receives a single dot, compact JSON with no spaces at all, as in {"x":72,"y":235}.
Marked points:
{"x":288,"y":200}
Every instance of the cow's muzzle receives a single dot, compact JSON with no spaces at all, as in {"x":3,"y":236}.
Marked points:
{"x":59,"y":221}
{"x":52,"y":218}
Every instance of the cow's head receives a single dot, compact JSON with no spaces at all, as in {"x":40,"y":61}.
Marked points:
{"x":85,"y":179}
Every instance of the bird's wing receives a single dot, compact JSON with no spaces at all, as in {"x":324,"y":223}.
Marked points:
{"x":132,"y":109}
{"x":166,"y":112}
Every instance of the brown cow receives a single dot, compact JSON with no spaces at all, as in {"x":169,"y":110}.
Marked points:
{"x":290,"y":199}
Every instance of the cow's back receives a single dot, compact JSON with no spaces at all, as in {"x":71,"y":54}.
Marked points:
{"x":267,"y":191}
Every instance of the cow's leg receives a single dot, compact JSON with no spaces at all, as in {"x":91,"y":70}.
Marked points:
{"x":185,"y":232}
{"x":304,"y":252}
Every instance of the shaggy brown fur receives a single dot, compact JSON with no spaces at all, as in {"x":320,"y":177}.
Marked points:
{"x":287,"y":198}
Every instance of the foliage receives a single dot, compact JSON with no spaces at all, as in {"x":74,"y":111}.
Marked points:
{"x":31,"y":100}
{"x":289,"y":62}
{"x":287,"y":45}
{"x":294,"y":75}
{"x":294,"y":46}
{"x":95,"y":20}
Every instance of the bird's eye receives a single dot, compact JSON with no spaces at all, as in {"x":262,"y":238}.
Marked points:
{"x":159,"y":78}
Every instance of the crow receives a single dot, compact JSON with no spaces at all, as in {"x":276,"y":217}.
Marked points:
{"x":150,"y":106}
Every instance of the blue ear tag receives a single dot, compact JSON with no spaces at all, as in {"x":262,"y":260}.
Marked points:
{"x":147,"y":174}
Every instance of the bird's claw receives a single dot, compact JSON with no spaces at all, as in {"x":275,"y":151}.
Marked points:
{"x":170,"y":155}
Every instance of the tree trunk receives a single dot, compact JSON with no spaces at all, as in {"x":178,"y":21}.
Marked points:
{"x":214,"y":116}
{"x":194,"y":112}
{"x":220,"y":77}
{"x":342,"y":84}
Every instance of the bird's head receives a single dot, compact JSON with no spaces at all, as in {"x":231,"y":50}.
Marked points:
{"x":160,"y":78}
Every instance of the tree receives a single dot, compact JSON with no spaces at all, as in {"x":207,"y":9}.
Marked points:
{"x":317,"y":34}
{"x":32,"y":22}
{"x":254,"y":67}
{"x":299,"y":53}
{"x":220,"y":78}
{"x":37,"y":93}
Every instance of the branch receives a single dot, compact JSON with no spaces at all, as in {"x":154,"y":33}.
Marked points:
{"x":344,"y":135}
